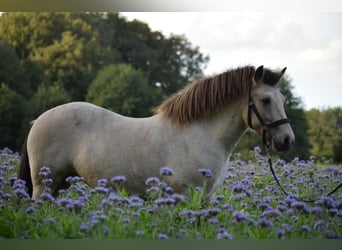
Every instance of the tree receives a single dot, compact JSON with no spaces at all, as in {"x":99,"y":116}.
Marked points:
{"x":122,"y":89}
{"x":13,"y":108}
{"x":11,"y":70}
{"x":47,"y":97}
{"x":295,"y":112}
{"x":64,"y":45}
{"x":67,"y":63}
{"x":167,"y":62}
{"x":50,"y":58}
{"x":325,"y":133}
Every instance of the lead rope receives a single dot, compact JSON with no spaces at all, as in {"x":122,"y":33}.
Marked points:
{"x":281,"y":187}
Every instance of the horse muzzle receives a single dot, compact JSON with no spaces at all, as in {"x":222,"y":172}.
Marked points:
{"x":282,"y":143}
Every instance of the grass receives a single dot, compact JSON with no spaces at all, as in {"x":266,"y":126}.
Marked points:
{"x":248,"y":206}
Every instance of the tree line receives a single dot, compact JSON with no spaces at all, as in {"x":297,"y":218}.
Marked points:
{"x":52,"y":58}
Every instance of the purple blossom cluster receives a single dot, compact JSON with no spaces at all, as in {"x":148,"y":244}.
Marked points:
{"x":249,"y":205}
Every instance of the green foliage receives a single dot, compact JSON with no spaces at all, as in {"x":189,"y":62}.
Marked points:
{"x":68,"y":63}
{"x":64,"y":52}
{"x":11,"y":70}
{"x":48,"y":97}
{"x":60,"y":54}
{"x":122,"y":89}
{"x":296,"y":114}
{"x":13,"y":109}
{"x":248,"y":205}
{"x":169,"y":62}
{"x":325,"y":133}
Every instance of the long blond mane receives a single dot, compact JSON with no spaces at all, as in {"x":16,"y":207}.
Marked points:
{"x":206,"y":95}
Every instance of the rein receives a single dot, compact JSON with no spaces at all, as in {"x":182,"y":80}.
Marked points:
{"x":266,"y":126}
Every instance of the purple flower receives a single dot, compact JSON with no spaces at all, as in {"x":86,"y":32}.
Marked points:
{"x":213,"y":211}
{"x":49,"y":220}
{"x":319,"y":225}
{"x":84,"y":226}
{"x":30,"y":210}
{"x":219,"y":197}
{"x":272,"y":213}
{"x":280,"y":232}
{"x":47,"y":182}
{"x":79,"y":203}
{"x":326,"y":201}
{"x":152,"y":190}
{"x":229,"y":207}
{"x":213,"y":220}
{"x":47,"y":197}
{"x":205,"y":172}
{"x":315,"y":211}
{"x":168,"y":190}
{"x":64,"y":201}
{"x":287,"y":228}
{"x":118,"y":179}
{"x":263,"y":206}
{"x":44,"y":171}
{"x":100,"y":189}
{"x":152,"y":181}
{"x":281,"y":207}
{"x":188,"y":213}
{"x":299,"y":205}
{"x":215,"y":202}
{"x":125,"y":220}
{"x":263,"y":222}
{"x":162,"y":236}
{"x":178,"y":197}
{"x":102,"y":182}
{"x":238,"y":197}
{"x":238,"y":187}
{"x":332,"y":211}
{"x":165,"y":171}
{"x":268,"y":199}
{"x":135,"y":201}
{"x":239,"y":216}
{"x":294,"y":218}
{"x":21,"y":193}
{"x":223,"y":234}
{"x":114,"y":197}
{"x":333,"y":235}
{"x":164,"y":201}
{"x":74,"y":179}
{"x":140,"y":232}
{"x":306,"y":228}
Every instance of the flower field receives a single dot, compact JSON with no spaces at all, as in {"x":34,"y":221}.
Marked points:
{"x":249,"y":205}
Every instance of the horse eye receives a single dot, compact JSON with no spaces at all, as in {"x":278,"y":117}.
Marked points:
{"x":266,"y":100}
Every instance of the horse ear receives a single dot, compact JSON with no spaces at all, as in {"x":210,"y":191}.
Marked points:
{"x":259,"y":74}
{"x":283,"y":71}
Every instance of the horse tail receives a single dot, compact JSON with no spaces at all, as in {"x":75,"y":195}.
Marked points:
{"x":24,"y":172}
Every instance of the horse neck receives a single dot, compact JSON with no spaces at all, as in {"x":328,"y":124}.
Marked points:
{"x":227,"y":126}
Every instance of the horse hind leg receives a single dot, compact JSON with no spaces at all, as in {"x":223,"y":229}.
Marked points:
{"x":50,"y":182}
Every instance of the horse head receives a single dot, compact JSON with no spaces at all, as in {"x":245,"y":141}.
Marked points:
{"x":265,"y":112}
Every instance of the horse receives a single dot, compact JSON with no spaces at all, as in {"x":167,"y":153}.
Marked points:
{"x":196,"y":128}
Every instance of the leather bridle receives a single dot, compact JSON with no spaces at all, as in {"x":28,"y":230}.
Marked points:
{"x":266,"y":126}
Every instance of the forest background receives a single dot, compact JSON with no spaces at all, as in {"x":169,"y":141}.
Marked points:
{"x":49,"y":59}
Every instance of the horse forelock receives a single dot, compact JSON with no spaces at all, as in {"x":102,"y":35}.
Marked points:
{"x":206,"y":95}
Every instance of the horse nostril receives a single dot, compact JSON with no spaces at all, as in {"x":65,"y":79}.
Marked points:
{"x":287,"y":141}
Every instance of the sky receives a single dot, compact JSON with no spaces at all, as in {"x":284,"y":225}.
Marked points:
{"x":309,"y":44}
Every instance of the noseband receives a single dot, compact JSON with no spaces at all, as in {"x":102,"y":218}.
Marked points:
{"x":266,"y":126}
